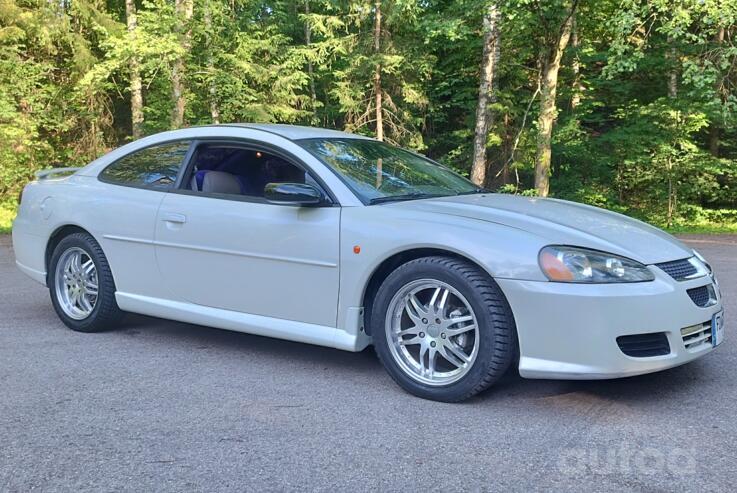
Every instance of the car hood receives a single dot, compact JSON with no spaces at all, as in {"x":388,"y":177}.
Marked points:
{"x":561,"y":222}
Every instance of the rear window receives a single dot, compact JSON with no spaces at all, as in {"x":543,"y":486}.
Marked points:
{"x":154,"y":167}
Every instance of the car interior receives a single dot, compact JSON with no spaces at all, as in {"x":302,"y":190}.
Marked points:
{"x":240,"y":171}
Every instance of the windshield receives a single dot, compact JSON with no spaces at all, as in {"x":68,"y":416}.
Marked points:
{"x":378,"y":172}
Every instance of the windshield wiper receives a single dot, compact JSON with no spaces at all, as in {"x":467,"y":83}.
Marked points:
{"x":471,"y":192}
{"x":406,"y":196}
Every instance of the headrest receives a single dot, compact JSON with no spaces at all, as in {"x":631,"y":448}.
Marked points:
{"x":220,"y":182}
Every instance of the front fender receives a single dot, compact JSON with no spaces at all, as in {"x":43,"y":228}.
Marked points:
{"x":382,"y":232}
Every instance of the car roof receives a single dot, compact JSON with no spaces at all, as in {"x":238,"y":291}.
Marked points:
{"x":297,"y":132}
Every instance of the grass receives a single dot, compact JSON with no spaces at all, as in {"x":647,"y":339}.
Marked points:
{"x":703,"y":228}
{"x":7,"y":214}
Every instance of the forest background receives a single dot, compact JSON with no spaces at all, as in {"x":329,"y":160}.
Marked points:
{"x":624,"y":104}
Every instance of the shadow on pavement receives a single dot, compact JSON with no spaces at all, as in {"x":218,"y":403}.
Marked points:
{"x":642,"y":389}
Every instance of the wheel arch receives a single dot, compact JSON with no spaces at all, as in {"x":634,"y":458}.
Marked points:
{"x":388,"y":265}
{"x":56,"y":236}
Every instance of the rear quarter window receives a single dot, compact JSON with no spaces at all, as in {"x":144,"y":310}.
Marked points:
{"x":154,"y":167}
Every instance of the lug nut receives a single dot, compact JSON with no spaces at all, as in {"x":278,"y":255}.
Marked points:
{"x":442,"y":335}
{"x":432,"y":344}
{"x":424,"y":320}
{"x":437,"y":320}
{"x":422,"y":334}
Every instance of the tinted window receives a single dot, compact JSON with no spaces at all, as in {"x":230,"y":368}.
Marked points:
{"x":153,"y":167}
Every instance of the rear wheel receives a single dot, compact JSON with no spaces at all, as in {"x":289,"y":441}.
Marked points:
{"x":81,"y":285}
{"x":442,"y":328}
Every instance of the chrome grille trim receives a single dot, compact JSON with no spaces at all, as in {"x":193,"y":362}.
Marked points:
{"x":696,"y":337}
{"x":680,"y":270}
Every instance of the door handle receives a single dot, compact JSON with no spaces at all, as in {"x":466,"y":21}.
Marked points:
{"x":173,"y":217}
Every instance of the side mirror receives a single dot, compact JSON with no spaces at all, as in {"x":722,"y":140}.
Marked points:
{"x":298,"y":194}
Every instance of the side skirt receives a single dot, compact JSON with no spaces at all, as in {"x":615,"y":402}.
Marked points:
{"x":240,"y":322}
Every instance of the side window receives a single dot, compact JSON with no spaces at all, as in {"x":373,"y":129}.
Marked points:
{"x":153,"y":167}
{"x":233,"y":170}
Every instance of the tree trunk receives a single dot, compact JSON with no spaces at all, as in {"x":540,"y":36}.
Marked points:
{"x":212,"y":85}
{"x":489,"y":55}
{"x":509,"y":140}
{"x":493,"y":99}
{"x":671,"y":194}
{"x":377,"y":73}
{"x":714,"y":135}
{"x":672,"y":55}
{"x":135,"y":74}
{"x":310,"y":68}
{"x":551,"y":57}
{"x":714,"y":130}
{"x":184,"y":10}
{"x":673,"y":83}
{"x":575,"y":66}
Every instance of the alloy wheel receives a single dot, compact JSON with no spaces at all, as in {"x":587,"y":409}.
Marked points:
{"x":76,"y":283}
{"x":432,"y":332}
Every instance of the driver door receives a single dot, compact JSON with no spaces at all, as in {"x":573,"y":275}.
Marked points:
{"x":239,"y":252}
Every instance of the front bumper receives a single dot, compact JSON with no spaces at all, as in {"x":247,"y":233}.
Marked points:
{"x":569,"y":331}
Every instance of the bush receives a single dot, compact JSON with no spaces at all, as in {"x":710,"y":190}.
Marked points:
{"x":7,"y":214}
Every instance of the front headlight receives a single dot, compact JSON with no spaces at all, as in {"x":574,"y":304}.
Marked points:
{"x":573,"y":264}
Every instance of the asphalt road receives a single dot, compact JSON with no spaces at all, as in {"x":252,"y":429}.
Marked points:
{"x":164,"y":406}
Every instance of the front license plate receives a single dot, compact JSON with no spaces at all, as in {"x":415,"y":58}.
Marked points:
{"x":717,"y":328}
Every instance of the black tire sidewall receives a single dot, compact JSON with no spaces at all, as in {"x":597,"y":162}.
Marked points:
{"x":105,"y":307}
{"x":492,"y":327}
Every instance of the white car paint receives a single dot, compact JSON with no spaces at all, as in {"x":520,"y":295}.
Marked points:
{"x":293,"y":273}
{"x":289,"y":254}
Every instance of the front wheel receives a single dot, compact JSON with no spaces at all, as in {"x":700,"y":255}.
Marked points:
{"x":81,"y":285}
{"x":442,"y":328}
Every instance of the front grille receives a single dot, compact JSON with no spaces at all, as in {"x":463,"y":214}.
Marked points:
{"x":696,"y":336}
{"x":678,"y":269}
{"x":644,"y":345}
{"x":701,"y":296}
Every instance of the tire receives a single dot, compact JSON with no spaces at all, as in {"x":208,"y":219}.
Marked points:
{"x":104,"y":313}
{"x":488,"y":348}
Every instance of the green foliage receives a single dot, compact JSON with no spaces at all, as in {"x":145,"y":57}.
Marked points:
{"x":647,"y":107}
{"x":7,"y":215}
